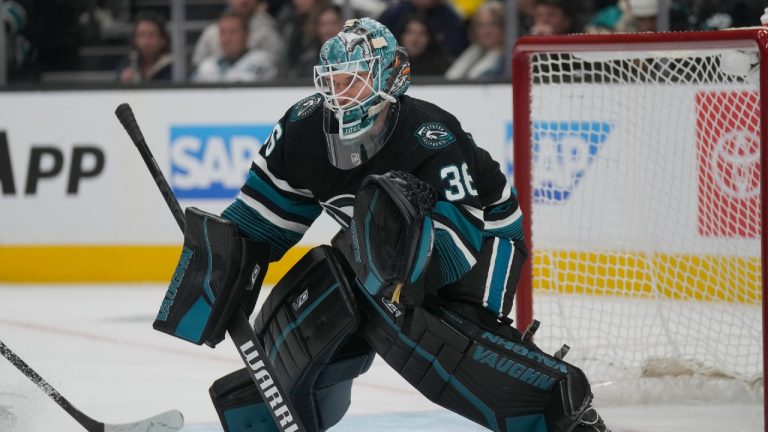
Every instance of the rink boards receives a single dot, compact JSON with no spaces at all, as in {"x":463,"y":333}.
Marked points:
{"x":79,"y":206}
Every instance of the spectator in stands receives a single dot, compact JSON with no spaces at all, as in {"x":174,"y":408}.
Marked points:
{"x":282,"y":9}
{"x":466,"y":8}
{"x":426,"y":55}
{"x":149,"y":59}
{"x":41,"y":36}
{"x":607,"y":19}
{"x":626,"y":16}
{"x":485,"y":57}
{"x":645,"y":14}
{"x":327,"y":23}
{"x":364,"y":8}
{"x":14,"y":22}
{"x":714,"y":14}
{"x":448,"y":26}
{"x":236,"y":62}
{"x":553,"y":17}
{"x":526,"y":9}
{"x":297,"y":24}
{"x":263,"y":34}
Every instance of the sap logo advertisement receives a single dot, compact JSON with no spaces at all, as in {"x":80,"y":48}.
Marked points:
{"x":212,"y":161}
{"x":563,"y":152}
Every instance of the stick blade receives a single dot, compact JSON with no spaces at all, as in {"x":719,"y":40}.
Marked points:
{"x":169,"y":421}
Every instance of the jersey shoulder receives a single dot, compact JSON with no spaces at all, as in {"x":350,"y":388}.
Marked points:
{"x":424,"y":110}
{"x":296,"y":144}
{"x":302,"y":126}
{"x":432,"y":127}
{"x":305,"y":108}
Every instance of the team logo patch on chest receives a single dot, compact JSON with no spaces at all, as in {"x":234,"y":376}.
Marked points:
{"x":305,"y":107}
{"x":434,"y":135}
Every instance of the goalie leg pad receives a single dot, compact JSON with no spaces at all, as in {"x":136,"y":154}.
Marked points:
{"x":490,"y":377}
{"x":218,"y":272}
{"x":241,"y":408}
{"x":239,"y":404}
{"x":307,"y":327}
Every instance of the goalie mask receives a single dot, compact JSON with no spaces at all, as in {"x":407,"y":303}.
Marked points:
{"x":361,"y":73}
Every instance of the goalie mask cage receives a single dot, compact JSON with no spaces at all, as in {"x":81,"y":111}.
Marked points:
{"x":638,"y":161}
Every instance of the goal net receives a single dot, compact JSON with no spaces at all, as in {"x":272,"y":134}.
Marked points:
{"x":638,"y":161}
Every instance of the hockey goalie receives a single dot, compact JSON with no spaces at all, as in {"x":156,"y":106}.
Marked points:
{"x":422,"y":272}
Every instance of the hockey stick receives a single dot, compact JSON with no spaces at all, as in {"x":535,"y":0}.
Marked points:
{"x":239,"y":329}
{"x":169,"y":421}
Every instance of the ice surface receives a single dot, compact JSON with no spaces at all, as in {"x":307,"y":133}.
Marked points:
{"x":96,"y":346}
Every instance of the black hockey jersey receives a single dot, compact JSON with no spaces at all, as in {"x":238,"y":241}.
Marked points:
{"x":292,"y":180}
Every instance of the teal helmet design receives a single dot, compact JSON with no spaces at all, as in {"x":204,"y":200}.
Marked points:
{"x":361,"y":73}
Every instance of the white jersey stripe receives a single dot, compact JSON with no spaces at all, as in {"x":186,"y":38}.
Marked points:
{"x":505,"y":194}
{"x":280,"y":183}
{"x":266,"y":213}
{"x":489,"y":275}
{"x":508,"y":265}
{"x":474,"y":211}
{"x":459,"y":244}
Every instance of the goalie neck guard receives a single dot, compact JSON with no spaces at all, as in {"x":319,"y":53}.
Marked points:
{"x":361,"y":73}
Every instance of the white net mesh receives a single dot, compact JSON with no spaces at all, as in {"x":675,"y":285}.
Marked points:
{"x":646,"y":213}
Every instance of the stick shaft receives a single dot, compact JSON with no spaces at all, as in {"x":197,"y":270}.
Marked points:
{"x":249,"y":346}
{"x":88,"y":423}
{"x":125,"y":114}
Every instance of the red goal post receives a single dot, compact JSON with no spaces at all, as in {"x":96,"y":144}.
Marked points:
{"x":639,"y":162}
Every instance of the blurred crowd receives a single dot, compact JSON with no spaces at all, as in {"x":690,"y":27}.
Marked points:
{"x":261,"y":40}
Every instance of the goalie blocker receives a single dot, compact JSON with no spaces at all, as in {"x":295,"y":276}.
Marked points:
{"x":218,"y":272}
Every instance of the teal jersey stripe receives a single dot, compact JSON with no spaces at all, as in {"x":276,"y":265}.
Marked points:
{"x":460,"y":222}
{"x":425,"y":242}
{"x":452,"y":262}
{"x":257,"y":227}
{"x":499,"y":275}
{"x":308,"y":210}
{"x":512,"y":231}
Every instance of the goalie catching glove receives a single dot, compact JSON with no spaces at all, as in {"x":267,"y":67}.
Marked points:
{"x":219,"y":271}
{"x":389,"y":242}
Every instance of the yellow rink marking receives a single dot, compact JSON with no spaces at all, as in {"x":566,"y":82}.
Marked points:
{"x":104,"y":264}
{"x":650,"y":275}
{"x":677,"y":276}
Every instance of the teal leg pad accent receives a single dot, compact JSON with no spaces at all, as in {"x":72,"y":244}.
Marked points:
{"x":529,"y":423}
{"x":250,"y":418}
